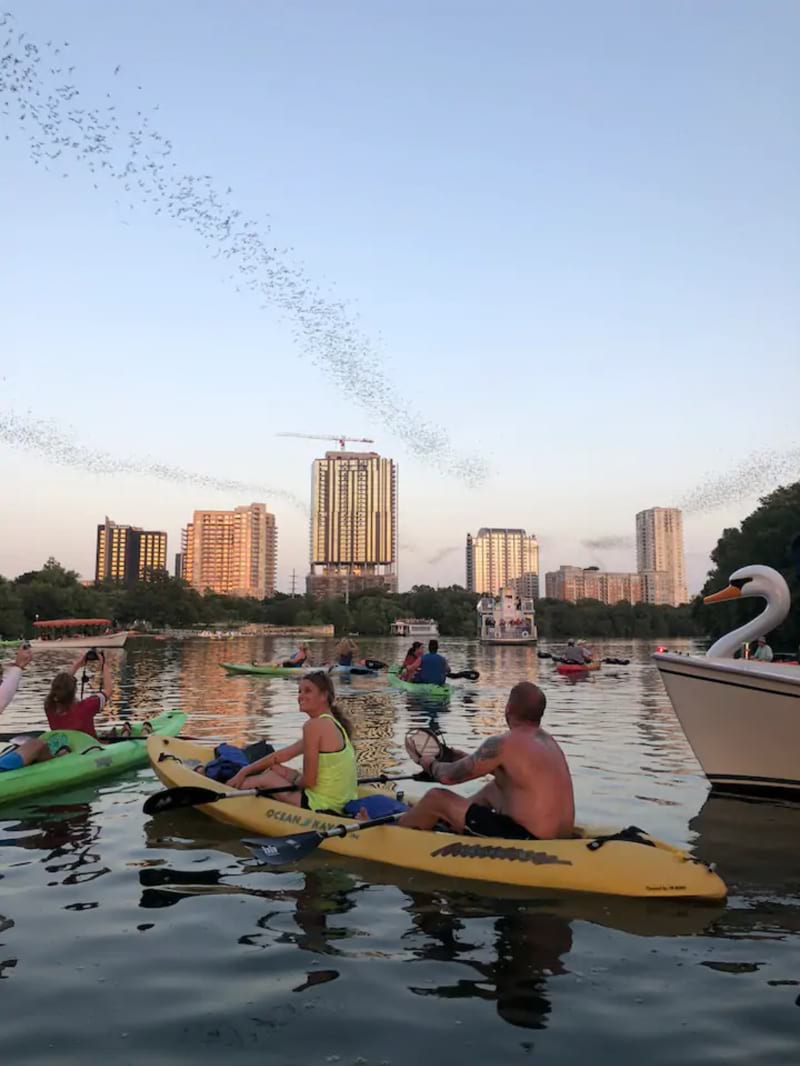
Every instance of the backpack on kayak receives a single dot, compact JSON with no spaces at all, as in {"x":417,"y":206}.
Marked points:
{"x":229,"y":759}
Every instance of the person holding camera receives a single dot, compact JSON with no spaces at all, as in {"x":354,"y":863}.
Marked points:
{"x":63,"y":710}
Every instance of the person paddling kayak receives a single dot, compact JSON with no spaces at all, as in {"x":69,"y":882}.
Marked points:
{"x":434,"y":668}
{"x":329,"y":776}
{"x":531,"y":795}
{"x":412,"y":661}
{"x":298,"y":658}
{"x":575,"y":653}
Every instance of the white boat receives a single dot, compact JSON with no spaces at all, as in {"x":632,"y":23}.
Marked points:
{"x":416,"y":628}
{"x":103,"y":638}
{"x":506,"y":619}
{"x":741,"y":716}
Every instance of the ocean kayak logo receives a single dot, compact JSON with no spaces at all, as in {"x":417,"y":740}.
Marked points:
{"x":492,"y":851}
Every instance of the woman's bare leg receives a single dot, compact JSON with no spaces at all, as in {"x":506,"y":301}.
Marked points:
{"x":277,"y":777}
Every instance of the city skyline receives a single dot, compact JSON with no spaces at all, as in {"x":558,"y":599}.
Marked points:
{"x":447,"y":565}
{"x":624,"y":239}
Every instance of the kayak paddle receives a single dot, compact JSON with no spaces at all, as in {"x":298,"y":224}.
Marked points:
{"x":467,"y":675}
{"x":173,"y":799}
{"x":284,"y":850}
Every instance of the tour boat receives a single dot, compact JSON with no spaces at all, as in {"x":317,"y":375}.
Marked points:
{"x":506,"y":619}
{"x":95,"y":633}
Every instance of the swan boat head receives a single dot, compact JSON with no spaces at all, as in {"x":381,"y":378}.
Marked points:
{"x":760,"y":581}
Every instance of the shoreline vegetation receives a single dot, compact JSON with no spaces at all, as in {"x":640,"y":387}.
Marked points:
{"x":168,"y":602}
{"x":764,"y":537}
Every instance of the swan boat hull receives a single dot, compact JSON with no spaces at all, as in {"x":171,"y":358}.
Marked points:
{"x":741,"y":718}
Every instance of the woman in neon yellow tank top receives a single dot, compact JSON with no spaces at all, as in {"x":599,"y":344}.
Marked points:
{"x":329,"y":775}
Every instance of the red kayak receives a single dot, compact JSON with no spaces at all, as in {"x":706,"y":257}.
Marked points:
{"x":577,"y":668}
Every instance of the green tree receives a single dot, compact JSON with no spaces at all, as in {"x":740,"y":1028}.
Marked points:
{"x":12,"y":615}
{"x":764,"y":537}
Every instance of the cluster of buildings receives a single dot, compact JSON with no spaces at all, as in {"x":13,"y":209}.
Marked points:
{"x":660,"y":575}
{"x":353,"y":543}
{"x":353,"y":547}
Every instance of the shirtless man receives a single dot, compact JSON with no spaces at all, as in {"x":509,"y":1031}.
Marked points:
{"x":531,"y":795}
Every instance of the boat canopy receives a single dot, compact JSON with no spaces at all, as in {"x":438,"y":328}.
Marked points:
{"x":67,"y":623}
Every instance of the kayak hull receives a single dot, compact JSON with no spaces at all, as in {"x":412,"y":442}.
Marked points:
{"x":619,"y":868}
{"x":265,"y":671}
{"x":89,"y":761}
{"x":297,"y":671}
{"x":439,"y":691}
{"x":576,"y":668}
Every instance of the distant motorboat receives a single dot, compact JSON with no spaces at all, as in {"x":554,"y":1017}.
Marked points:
{"x":415,"y":628}
{"x":741,"y":716}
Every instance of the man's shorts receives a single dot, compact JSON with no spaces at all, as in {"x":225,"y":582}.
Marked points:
{"x":484,"y":822}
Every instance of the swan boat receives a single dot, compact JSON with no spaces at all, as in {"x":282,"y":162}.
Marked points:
{"x":741,"y":716}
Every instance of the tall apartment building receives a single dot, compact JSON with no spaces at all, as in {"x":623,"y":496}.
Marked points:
{"x":502,"y":558}
{"x":127,"y":553}
{"x":353,"y":523}
{"x":575,"y":583}
{"x":234,"y":553}
{"x":659,"y":551}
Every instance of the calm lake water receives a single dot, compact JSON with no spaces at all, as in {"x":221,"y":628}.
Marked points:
{"x":128,"y":939}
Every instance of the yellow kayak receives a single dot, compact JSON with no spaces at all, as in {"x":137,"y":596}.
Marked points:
{"x":644,"y":867}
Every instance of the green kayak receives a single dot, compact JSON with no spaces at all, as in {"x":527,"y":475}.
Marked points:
{"x":441,"y":691}
{"x":10,"y":643}
{"x":89,"y":759}
{"x":267,"y":671}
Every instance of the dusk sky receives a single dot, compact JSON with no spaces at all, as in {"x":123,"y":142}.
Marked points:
{"x":567,"y":233}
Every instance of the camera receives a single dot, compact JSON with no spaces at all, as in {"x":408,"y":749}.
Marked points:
{"x":25,"y":645}
{"x":92,"y":655}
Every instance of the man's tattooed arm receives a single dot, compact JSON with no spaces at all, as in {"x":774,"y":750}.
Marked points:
{"x":481,"y":762}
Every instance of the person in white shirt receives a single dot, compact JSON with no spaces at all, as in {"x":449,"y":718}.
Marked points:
{"x":763,"y":651}
{"x":11,"y":677}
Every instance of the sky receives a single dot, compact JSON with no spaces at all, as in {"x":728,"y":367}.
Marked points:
{"x":566,"y":234}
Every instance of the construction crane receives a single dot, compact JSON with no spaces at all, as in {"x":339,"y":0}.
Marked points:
{"x":329,"y":436}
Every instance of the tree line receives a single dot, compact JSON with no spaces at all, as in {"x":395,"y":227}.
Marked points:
{"x":55,"y":592}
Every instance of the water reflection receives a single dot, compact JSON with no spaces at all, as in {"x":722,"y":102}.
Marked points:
{"x":527,"y":949}
{"x":64,"y":837}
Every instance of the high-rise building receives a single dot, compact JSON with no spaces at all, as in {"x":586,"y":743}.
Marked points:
{"x":575,"y":583}
{"x":353,"y":523}
{"x":502,"y":558}
{"x":234,"y":553}
{"x":128,"y":553}
{"x":659,"y":550}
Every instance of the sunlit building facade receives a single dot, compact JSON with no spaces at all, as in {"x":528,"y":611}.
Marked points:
{"x":353,"y":523}
{"x":660,"y":551}
{"x":501,"y":558}
{"x":573,"y":583}
{"x":127,"y":554}
{"x":233,"y":553}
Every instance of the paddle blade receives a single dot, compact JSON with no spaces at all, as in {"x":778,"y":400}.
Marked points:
{"x":172,"y":799}
{"x":374,"y":664}
{"x":282,"y":851}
